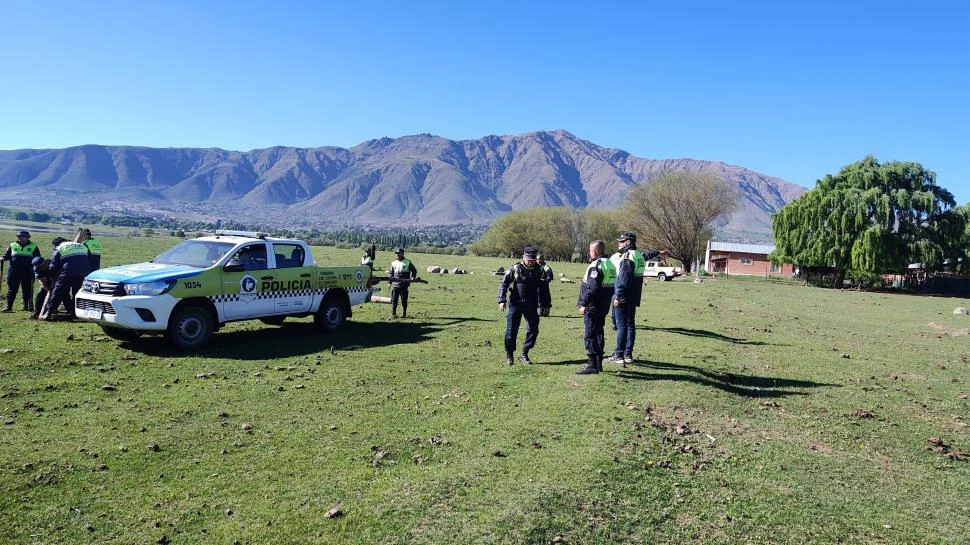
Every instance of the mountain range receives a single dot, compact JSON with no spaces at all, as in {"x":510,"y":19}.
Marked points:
{"x":419,"y":179}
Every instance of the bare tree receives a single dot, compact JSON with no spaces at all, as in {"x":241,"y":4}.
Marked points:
{"x":676,"y":212}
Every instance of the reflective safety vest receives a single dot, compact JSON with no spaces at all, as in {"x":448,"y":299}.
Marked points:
{"x":639,"y":261}
{"x":367,"y":261}
{"x":402,"y":267}
{"x":71,"y":249}
{"x":93,"y":245}
{"x":607,"y":269}
{"x":17,"y":249}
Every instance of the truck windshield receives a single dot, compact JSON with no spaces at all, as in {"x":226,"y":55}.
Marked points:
{"x":195,"y":253}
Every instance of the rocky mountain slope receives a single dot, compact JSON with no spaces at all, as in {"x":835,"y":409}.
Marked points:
{"x":420,"y":179}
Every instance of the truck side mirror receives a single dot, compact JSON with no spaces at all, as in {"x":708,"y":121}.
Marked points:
{"x":234,"y":265}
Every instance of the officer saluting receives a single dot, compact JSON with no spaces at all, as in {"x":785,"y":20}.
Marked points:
{"x":69,"y":265}
{"x":594,"y":303}
{"x":525,"y":281}
{"x":19,"y":275}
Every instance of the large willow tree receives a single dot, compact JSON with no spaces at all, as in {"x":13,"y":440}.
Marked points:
{"x":868,"y":219}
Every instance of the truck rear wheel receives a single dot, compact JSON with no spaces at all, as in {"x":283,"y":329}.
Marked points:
{"x":332,"y":314}
{"x":662,"y":277}
{"x":190,"y":328}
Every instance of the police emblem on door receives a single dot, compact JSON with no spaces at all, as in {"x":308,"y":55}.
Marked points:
{"x":247,"y":288}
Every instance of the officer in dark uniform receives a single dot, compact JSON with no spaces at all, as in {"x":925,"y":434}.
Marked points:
{"x":630,"y":265}
{"x":525,"y":281}
{"x":595,"y":296}
{"x":93,"y":246}
{"x":402,"y":269}
{"x":19,"y":275}
{"x":42,"y":272}
{"x":545,"y":296}
{"x":69,"y":265}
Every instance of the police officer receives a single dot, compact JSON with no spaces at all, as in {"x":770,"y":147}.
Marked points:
{"x":401,"y":269}
{"x":367,"y":261}
{"x":545,"y":296}
{"x":630,"y":264}
{"x":595,"y":295}
{"x":69,"y":265}
{"x":19,"y":275}
{"x":42,"y":272}
{"x":525,"y":281}
{"x":93,"y":246}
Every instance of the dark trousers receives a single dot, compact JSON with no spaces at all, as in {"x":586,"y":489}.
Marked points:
{"x":402,"y":293}
{"x":22,"y":283}
{"x":64,"y":286}
{"x":512,"y":321}
{"x":593,"y":333}
{"x":626,"y":332}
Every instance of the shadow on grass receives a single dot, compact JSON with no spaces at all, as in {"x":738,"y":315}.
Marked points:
{"x":295,"y":339}
{"x":703,"y":333}
{"x":742,"y":385}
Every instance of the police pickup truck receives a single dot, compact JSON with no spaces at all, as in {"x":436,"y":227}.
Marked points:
{"x":191,"y":290}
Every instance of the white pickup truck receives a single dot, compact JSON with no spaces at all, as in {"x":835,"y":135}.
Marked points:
{"x":660,"y":271}
{"x":191,"y":290}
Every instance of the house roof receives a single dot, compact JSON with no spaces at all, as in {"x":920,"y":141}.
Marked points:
{"x":742,"y":248}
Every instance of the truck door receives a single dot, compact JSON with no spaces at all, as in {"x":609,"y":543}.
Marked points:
{"x":244,"y":293}
{"x":291,"y":280}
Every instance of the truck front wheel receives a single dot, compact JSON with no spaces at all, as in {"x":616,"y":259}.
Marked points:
{"x":662,"y":277}
{"x":332,"y":314}
{"x":190,"y":328}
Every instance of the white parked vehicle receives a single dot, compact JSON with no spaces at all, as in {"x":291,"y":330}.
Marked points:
{"x":660,"y":271}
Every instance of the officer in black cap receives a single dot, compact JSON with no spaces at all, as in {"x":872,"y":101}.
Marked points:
{"x":401,"y":269}
{"x":19,"y":276}
{"x":69,"y":265}
{"x":525,"y":281}
{"x":630,"y":265}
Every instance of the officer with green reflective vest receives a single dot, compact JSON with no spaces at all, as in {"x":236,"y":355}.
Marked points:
{"x":94,"y":248}
{"x":69,"y":265}
{"x":595,"y":296}
{"x":367,"y":261}
{"x":401,"y":269}
{"x":20,"y":275}
{"x":630,"y":265}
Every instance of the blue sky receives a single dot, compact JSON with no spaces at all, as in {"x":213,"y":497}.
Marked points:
{"x":790,"y":89}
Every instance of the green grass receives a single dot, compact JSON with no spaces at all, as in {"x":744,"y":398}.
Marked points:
{"x":737,"y":425}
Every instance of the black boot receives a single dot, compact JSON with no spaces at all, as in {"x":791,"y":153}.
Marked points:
{"x":593,"y":367}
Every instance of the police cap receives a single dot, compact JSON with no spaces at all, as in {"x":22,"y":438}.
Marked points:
{"x":530,"y":252}
{"x":35,"y":262}
{"x":398,"y":250}
{"x":627,"y":236}
{"x":58,"y":240}
{"x":23,"y":234}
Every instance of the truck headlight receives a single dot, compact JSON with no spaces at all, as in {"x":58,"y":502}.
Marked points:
{"x":149,"y":288}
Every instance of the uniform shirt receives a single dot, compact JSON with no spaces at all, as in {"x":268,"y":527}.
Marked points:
{"x":94,"y":247}
{"x":42,"y":272}
{"x":70,"y":259}
{"x":596,"y":291}
{"x":629,"y":273}
{"x":20,"y":258}
{"x":525,"y":283}
{"x":368,"y":262}
{"x":402,"y":269}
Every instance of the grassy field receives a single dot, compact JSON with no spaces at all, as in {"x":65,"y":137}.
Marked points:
{"x":758,"y":412}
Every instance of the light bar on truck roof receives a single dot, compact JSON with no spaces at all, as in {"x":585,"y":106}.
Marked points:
{"x":249,"y":234}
